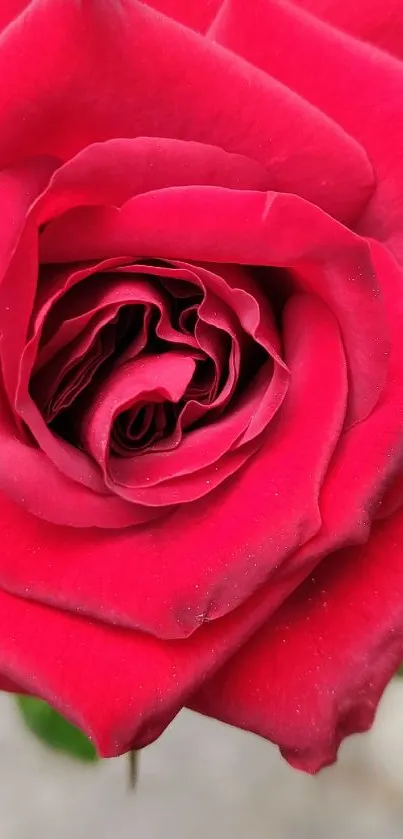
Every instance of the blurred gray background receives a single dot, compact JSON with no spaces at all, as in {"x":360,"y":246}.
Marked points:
{"x":203,"y":779}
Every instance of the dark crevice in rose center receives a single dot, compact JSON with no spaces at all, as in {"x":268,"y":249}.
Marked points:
{"x":280,"y":285}
{"x":138,"y":428}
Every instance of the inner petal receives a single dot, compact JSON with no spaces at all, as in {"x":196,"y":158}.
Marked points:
{"x":148,"y":379}
{"x":140,"y":426}
{"x":58,"y":384}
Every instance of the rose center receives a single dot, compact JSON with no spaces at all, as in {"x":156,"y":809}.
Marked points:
{"x":123,"y":318}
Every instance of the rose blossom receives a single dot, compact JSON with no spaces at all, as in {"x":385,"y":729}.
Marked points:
{"x":201,"y":351}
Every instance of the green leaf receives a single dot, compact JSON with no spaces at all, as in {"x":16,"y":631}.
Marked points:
{"x":54,"y":730}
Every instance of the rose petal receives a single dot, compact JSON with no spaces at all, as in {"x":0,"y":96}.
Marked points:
{"x":315,"y":673}
{"x":18,"y":189}
{"x":193,"y":485}
{"x":121,"y":706}
{"x":135,"y":684}
{"x":369,"y":458}
{"x":141,"y":426}
{"x":99,"y":98}
{"x":10,"y":9}
{"x":148,"y":378}
{"x":62,"y":318}
{"x":196,"y":15}
{"x":29,"y":478}
{"x":375,"y":20}
{"x":331,"y":69}
{"x":114,"y":171}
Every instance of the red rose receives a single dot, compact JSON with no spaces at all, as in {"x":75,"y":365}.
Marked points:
{"x":201,"y":349}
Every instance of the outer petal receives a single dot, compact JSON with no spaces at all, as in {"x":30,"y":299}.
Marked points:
{"x":114,"y":171}
{"x":19,"y":187}
{"x":9,"y":11}
{"x":316,"y":671}
{"x":358,"y":86}
{"x":68,"y":90}
{"x":10,"y":686}
{"x":372,"y":20}
{"x":198,"y":15}
{"x":121,"y":687}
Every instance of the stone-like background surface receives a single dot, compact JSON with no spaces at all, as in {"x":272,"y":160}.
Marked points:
{"x":202,"y":780}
